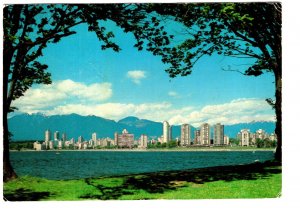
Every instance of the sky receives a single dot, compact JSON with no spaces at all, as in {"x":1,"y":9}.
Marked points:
{"x":89,"y":81}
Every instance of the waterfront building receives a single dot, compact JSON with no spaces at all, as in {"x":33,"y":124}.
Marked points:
{"x":166,"y":132}
{"x":64,"y":137}
{"x":106,"y":142}
{"x":67,"y":144}
{"x":37,"y":146}
{"x":124,"y":140}
{"x":56,"y":135}
{"x":273,"y":137}
{"x":90,"y":143}
{"x":185,"y":137}
{"x":245,"y":137}
{"x":197,"y":137}
{"x":110,"y":141}
{"x":170,"y":133}
{"x":252,"y":138}
{"x":80,"y":139}
{"x":205,"y":134}
{"x":153,"y":141}
{"x":47,"y":135}
{"x":45,"y":145}
{"x":261,"y":134}
{"x":51,"y":145}
{"x":85,"y":145}
{"x":160,"y":139}
{"x":60,"y":144}
{"x":226,"y":140}
{"x":143,"y":141}
{"x":94,"y":138}
{"x":218,"y":134}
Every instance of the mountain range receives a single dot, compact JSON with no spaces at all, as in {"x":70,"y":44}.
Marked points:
{"x":33,"y":126}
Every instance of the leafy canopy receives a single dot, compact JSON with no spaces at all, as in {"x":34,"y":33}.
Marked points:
{"x":243,"y":30}
{"x":29,"y":29}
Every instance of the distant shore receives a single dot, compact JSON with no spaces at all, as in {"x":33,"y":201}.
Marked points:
{"x":199,"y":149}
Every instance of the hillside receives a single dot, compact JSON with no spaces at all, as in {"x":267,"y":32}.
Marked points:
{"x":32,"y":127}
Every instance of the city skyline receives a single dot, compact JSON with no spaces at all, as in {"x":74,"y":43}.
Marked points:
{"x":88,"y":81}
{"x":127,"y":140}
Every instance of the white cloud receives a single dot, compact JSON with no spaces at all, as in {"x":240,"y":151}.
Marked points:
{"x":136,"y":76}
{"x":93,"y":92}
{"x":61,"y":93}
{"x":173,"y":94}
{"x":235,"y":111}
{"x":114,"y":111}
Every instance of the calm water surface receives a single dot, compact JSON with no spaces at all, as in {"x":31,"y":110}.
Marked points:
{"x":83,"y":164}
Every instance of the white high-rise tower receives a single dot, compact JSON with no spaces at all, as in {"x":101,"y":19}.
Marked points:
{"x":47,"y":135}
{"x":166,"y":132}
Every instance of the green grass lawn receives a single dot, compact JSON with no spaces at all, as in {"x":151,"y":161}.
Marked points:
{"x":243,"y":181}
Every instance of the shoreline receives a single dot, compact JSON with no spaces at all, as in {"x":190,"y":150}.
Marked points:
{"x":156,"y":150}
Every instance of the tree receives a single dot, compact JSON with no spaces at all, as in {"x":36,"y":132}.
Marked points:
{"x":234,"y":141}
{"x":241,"y":30}
{"x":29,"y":29}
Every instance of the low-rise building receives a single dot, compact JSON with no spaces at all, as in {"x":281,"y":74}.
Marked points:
{"x":37,"y":146}
{"x":226,"y":140}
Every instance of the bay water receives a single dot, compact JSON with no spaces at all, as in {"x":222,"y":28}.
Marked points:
{"x":64,"y":165}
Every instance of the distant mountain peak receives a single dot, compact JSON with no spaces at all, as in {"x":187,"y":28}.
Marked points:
{"x":129,"y":119}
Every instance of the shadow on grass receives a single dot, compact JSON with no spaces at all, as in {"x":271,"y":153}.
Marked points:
{"x":171,"y":180}
{"x":25,"y":195}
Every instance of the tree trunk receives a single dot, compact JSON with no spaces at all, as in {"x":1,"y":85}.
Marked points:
{"x":8,"y":171}
{"x":278,"y":96}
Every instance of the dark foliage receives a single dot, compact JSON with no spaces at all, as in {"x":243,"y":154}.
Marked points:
{"x":161,"y":182}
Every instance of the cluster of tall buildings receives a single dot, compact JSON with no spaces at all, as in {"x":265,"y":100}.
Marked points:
{"x":246,"y":138}
{"x":202,"y":137}
{"x":121,"y":140}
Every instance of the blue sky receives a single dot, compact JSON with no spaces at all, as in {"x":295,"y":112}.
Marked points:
{"x":89,"y":81}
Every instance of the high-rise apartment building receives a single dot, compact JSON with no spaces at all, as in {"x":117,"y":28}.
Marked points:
{"x":56,"y":135}
{"x":245,"y":137}
{"x":166,"y":132}
{"x":205,"y":134}
{"x":197,"y":139}
{"x":80,"y":139}
{"x":170,"y":133}
{"x":219,"y":134}
{"x":47,"y":135}
{"x":185,"y":137}
{"x":143,"y":141}
{"x":124,"y":140}
{"x":64,"y":137}
{"x":94,"y":138}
